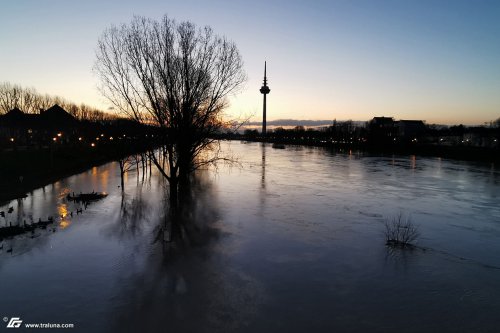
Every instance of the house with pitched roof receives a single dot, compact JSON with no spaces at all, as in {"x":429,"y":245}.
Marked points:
{"x":22,"y":129}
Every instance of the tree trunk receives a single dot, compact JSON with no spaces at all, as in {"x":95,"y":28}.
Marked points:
{"x":174,"y":191}
{"x":122,"y":172}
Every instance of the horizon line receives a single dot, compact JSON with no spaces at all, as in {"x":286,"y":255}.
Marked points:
{"x":327,"y":122}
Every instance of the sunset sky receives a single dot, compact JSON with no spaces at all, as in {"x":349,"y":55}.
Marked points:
{"x":435,"y":60}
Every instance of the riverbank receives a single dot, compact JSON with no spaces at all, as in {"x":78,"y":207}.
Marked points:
{"x":22,"y":171}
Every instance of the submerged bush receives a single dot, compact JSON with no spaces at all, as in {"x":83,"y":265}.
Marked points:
{"x":400,"y":231}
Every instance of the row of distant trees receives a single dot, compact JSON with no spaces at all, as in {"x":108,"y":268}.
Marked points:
{"x":31,"y":101}
{"x":349,"y":132}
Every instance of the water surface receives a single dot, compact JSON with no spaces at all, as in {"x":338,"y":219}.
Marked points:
{"x":290,"y":241}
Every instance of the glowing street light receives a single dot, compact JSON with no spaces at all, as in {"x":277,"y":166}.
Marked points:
{"x":92,"y":144}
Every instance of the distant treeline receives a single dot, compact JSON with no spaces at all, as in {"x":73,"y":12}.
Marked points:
{"x":351,"y":132}
{"x":292,"y":123}
{"x":387,"y":135}
{"x":30,"y":101}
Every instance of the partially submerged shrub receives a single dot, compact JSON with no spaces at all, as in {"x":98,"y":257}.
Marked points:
{"x":400,"y":231}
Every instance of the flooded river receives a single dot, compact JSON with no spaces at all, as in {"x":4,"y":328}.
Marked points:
{"x":288,"y":240}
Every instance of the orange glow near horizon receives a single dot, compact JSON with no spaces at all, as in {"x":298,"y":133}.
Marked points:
{"x":285,"y":102}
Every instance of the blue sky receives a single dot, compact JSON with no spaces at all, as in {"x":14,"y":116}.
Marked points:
{"x":434,"y":60}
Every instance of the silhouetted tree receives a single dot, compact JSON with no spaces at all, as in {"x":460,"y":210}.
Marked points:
{"x":14,"y":96}
{"x":30,"y":101}
{"x":126,"y":164}
{"x":176,"y":76}
{"x":251,"y":133}
{"x":299,"y":129}
{"x":496,"y":123}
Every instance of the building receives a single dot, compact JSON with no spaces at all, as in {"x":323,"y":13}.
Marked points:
{"x":381,"y":131}
{"x":21,"y":129}
{"x":410,"y":129}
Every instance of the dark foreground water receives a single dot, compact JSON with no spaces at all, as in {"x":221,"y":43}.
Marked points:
{"x":291,"y":241}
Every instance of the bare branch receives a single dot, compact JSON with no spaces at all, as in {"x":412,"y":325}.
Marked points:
{"x":177,"y":76}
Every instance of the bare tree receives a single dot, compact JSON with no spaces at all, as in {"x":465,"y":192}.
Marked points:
{"x":127,"y":164}
{"x":14,"y":96}
{"x":45,"y":102}
{"x":10,"y":97}
{"x":496,"y":123}
{"x":29,"y":100}
{"x":177,"y":76}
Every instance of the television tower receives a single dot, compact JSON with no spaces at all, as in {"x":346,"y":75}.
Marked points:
{"x":264,"y":90}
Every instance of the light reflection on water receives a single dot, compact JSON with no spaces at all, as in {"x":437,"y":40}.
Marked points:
{"x":291,"y":241}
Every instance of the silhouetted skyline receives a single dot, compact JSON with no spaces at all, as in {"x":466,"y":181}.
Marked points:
{"x":339,"y":59}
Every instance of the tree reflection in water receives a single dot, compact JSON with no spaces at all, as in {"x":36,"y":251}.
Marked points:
{"x":182,"y":277}
{"x":188,"y":224}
